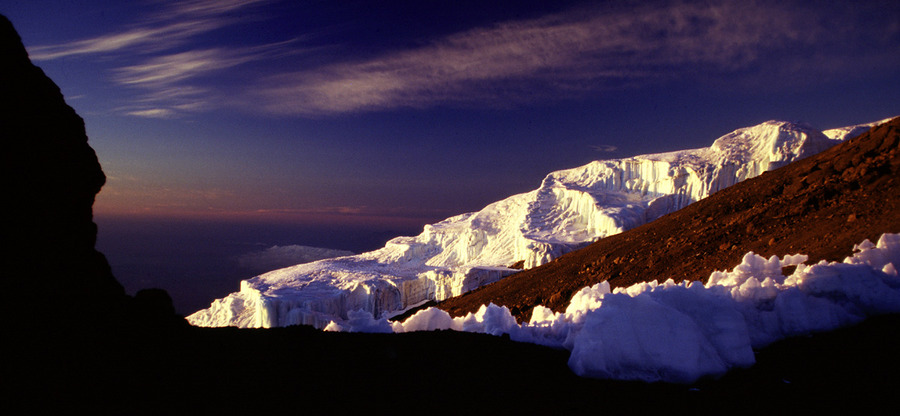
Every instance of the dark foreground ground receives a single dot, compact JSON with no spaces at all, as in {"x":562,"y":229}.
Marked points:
{"x":300,"y":370}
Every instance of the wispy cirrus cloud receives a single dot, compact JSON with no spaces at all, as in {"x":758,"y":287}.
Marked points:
{"x":209,"y":7}
{"x":174,"y":25}
{"x":159,"y":68}
{"x":157,"y":37}
{"x":175,"y":67}
{"x":567,"y":53}
{"x":579,"y":52}
{"x":170,"y":80}
{"x":152,"y":113}
{"x":165,"y":70}
{"x":168,"y":101}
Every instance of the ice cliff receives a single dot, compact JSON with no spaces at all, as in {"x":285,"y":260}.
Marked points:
{"x":570,"y":209}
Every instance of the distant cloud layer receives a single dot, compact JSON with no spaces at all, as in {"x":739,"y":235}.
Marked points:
{"x":570,"y":54}
{"x":277,"y":257}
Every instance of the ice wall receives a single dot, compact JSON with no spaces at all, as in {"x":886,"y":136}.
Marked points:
{"x":571,"y":209}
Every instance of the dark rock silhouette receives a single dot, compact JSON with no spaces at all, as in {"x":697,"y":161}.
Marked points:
{"x":50,"y":178}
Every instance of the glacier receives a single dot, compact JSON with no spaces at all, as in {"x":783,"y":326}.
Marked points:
{"x":570,"y":209}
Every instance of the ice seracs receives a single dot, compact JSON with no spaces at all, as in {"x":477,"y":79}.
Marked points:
{"x":570,"y":209}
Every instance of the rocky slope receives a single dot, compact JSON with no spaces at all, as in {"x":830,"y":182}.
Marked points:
{"x":820,"y":206}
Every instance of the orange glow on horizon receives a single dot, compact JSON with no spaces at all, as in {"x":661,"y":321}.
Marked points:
{"x":263,"y":216}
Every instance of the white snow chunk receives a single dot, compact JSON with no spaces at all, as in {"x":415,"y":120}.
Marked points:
{"x":683,"y":332}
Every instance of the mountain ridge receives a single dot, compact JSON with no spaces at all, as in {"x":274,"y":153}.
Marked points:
{"x":835,"y":190}
{"x":570,"y":209}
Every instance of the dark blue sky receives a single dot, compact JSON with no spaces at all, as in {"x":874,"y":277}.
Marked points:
{"x":410,"y":112}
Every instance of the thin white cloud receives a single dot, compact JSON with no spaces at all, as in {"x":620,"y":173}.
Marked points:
{"x":163,"y":74}
{"x":157,"y":38}
{"x":168,"y":101}
{"x":573,"y":51}
{"x":605,"y":148}
{"x":174,"y":25}
{"x":171,"y":80}
{"x":175,"y":67}
{"x":152,"y":113}
{"x":210,"y":7}
{"x":165,"y":70}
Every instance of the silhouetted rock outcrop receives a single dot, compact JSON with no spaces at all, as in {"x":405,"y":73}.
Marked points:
{"x":50,"y":178}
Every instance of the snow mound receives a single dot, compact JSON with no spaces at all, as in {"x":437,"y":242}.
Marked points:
{"x":571,"y":209}
{"x":682,"y":332}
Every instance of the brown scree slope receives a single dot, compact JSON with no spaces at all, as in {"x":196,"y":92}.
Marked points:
{"x":820,"y":206}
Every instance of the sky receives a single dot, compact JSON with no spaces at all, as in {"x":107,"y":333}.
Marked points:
{"x":404,"y":113}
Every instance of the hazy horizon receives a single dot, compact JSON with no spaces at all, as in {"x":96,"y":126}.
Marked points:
{"x":198,"y":261}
